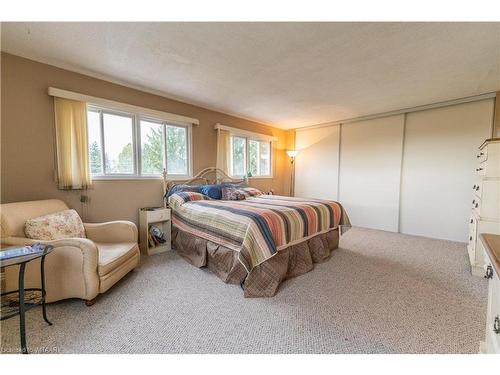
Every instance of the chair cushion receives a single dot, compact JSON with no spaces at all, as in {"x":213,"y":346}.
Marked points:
{"x":112,"y":255}
{"x":59,"y":225}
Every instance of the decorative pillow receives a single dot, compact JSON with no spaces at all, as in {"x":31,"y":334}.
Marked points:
{"x":181,"y":188}
{"x":63,"y":224}
{"x":213,"y":191}
{"x":182,"y":197}
{"x":230,"y":193}
{"x":237,"y":185}
{"x":251,"y":192}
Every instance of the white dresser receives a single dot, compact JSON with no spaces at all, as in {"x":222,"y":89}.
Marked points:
{"x":485,"y":202}
{"x":491,"y":245}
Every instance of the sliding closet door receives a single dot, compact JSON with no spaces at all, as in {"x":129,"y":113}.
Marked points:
{"x":439,"y":164}
{"x":370,"y":171}
{"x":316,"y":169}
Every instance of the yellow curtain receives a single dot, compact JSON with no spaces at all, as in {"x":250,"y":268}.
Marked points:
{"x":223,"y":150}
{"x":72,"y":158}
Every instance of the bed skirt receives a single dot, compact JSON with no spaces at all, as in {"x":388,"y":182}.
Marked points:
{"x":265,"y":278}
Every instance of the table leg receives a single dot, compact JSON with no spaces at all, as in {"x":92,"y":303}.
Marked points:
{"x":42,"y":273}
{"x":22,"y":309}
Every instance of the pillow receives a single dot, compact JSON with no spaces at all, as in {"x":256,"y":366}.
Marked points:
{"x":182,"y":197}
{"x":237,"y":185}
{"x":63,"y":224}
{"x":213,"y":191}
{"x":251,"y":192}
{"x":230,"y":193}
{"x":181,"y":188}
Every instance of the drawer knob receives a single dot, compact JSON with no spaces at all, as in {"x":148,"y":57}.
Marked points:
{"x":471,"y":221}
{"x":473,"y":201}
{"x":479,"y":169}
{"x":474,"y":187}
{"x":470,"y":238}
{"x":477,"y":188}
{"x":489,"y":272}
{"x":477,"y":204}
{"x":496,"y":324}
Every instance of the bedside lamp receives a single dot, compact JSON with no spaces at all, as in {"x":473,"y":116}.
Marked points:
{"x":292,"y":154}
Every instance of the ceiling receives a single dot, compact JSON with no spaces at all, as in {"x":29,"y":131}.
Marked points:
{"x":282,"y":74}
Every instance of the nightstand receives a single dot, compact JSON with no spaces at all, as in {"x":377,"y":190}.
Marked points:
{"x":159,"y":218}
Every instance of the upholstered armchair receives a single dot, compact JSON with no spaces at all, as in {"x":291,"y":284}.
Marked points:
{"x":78,"y":267}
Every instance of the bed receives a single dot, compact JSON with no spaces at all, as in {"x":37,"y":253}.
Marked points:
{"x":257,"y":242}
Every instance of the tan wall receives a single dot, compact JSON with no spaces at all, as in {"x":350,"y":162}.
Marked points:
{"x":27,"y":136}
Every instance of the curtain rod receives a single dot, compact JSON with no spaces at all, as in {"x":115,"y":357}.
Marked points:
{"x":447,"y":103}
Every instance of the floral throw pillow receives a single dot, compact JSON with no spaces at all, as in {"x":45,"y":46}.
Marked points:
{"x":230,"y":193}
{"x":63,"y":224}
{"x":250,"y":191}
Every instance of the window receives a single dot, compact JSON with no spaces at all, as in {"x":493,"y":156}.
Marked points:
{"x":250,"y":156}
{"x":118,"y":144}
{"x":239,"y":153}
{"x":177,"y":150}
{"x":131,"y":145}
{"x":152,"y":147}
{"x":259,"y":158}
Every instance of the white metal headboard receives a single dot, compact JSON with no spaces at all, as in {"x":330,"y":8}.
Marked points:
{"x":210,"y":175}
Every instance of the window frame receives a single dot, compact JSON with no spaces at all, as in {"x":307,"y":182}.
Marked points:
{"x":247,"y":156}
{"x":137,"y":144}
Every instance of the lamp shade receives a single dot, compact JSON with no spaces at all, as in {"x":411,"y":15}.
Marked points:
{"x":292,"y":153}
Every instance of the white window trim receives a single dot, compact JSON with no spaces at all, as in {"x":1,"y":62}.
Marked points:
{"x":248,"y":135}
{"x":136,"y":139}
{"x":111,"y":104}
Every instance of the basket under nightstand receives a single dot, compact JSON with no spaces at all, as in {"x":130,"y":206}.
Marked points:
{"x":159,"y":217}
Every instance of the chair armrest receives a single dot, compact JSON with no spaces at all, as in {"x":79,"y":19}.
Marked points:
{"x":67,"y":248}
{"x":112,"y":232}
{"x":86,"y":246}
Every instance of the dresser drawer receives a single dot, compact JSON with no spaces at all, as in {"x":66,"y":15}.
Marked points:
{"x":476,"y":206}
{"x":489,"y":201}
{"x":472,"y":225}
{"x":493,"y":315}
{"x":471,"y":239}
{"x":482,"y":155}
{"x":158,"y":215}
{"x":481,"y":169}
{"x":490,"y":168}
{"x":477,"y":188}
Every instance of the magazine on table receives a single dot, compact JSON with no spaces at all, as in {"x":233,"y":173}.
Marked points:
{"x":22,"y":251}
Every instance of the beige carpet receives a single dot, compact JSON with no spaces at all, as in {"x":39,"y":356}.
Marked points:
{"x":379,"y":293}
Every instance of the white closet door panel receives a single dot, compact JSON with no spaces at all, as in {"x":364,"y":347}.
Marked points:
{"x":370,"y":171}
{"x":439,"y":164}
{"x":316,"y":168}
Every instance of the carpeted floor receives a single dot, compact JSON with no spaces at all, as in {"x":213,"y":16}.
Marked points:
{"x":379,"y":293}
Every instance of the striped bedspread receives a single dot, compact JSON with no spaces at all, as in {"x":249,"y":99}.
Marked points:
{"x":257,"y":227}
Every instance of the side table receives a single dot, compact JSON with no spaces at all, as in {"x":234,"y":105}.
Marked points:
{"x":161,"y":218}
{"x":27,"y":297}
